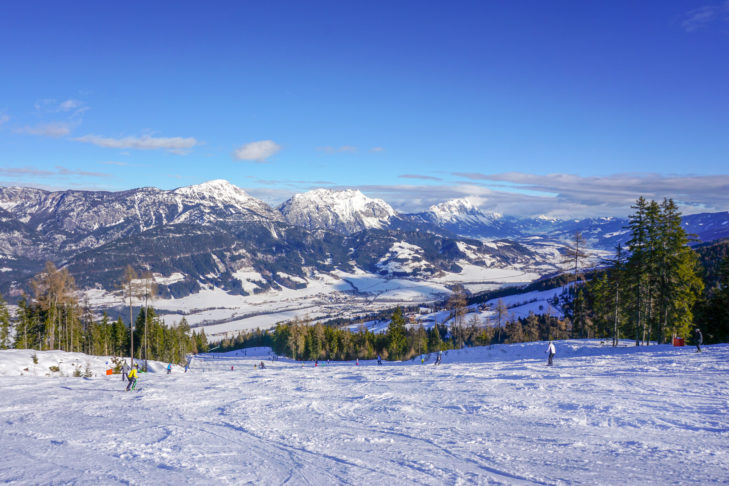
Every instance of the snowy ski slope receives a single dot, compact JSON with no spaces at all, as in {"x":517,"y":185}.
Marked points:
{"x":649,"y":415}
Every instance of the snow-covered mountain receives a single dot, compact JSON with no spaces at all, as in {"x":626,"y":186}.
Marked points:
{"x":461,"y":217}
{"x":215,"y":235}
{"x":54,"y":224}
{"x":463,"y":211}
{"x":345,"y":211}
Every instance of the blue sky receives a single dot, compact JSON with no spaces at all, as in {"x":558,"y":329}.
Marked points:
{"x":527,"y":107}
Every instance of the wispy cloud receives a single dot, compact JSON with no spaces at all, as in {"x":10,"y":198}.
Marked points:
{"x":298,"y":183}
{"x":701,"y":17}
{"x":55,"y":129}
{"x":333,"y":150}
{"x":418,"y":176}
{"x":37,"y":172}
{"x":376,"y":150}
{"x":176,"y":145}
{"x":70,"y":105}
{"x":4,"y":119}
{"x":257,"y":151}
{"x":84,"y":173}
{"x":569,"y":194}
{"x":118,"y":163}
{"x":73,"y":107}
{"x":25,"y":171}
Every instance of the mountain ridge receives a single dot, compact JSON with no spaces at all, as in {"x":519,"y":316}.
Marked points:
{"x":213,"y":233}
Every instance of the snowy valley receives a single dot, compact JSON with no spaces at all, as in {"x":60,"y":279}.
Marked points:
{"x":227,"y":261}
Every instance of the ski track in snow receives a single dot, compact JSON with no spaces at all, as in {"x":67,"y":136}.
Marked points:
{"x":601,"y":415}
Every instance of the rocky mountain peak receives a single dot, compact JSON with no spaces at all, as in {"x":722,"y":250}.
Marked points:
{"x":461,"y":209}
{"x":346,"y":211}
{"x":215,"y":190}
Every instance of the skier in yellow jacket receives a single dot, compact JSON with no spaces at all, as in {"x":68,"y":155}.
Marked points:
{"x":132,"y":377}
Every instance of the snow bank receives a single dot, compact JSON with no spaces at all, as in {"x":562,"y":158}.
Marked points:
{"x":20,"y":362}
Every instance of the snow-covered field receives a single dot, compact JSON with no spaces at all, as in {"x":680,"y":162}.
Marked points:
{"x":328,"y":295}
{"x":601,"y":415}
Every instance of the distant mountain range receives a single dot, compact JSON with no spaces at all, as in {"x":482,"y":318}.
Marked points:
{"x":215,"y":234}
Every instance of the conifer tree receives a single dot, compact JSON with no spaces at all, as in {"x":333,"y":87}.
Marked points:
{"x":396,"y":335}
{"x":435,"y":343}
{"x":4,"y":325}
{"x":617,"y":277}
{"x":531,"y":330}
{"x":680,"y":283}
{"x":120,"y":337}
{"x":22,"y":326}
{"x":638,"y":263}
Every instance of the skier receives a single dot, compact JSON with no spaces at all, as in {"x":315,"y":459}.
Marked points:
{"x":551,"y":352}
{"x":169,"y":368}
{"x":132,"y":378}
{"x":357,"y":362}
{"x":439,"y":358}
{"x":187,"y":366}
{"x":125,"y":371}
{"x":699,"y":339}
{"x":316,"y":363}
{"x":379,"y":360}
{"x":262,"y":366}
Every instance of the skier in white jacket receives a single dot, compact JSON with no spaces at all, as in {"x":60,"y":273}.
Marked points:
{"x":551,"y":352}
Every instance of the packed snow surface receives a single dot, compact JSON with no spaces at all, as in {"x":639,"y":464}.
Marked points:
{"x":601,"y":415}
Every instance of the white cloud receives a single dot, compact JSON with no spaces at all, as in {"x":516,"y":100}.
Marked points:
{"x":4,"y":119}
{"x":257,"y":151}
{"x":177,"y":145}
{"x":376,"y":150}
{"x":56,"y":129}
{"x":69,"y":105}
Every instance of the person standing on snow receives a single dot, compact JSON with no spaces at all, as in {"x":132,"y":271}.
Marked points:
{"x":169,"y":368}
{"x":551,"y":351}
{"x":124,"y":371}
{"x":699,"y":339}
{"x":132,"y":377}
{"x":379,"y":360}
